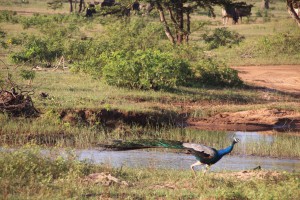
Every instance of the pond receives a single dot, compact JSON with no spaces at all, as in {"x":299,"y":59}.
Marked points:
{"x":170,"y":160}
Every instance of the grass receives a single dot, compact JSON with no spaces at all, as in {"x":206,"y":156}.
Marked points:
{"x":28,"y":174}
{"x":68,"y":90}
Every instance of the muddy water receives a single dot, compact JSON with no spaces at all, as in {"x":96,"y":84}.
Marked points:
{"x":164,"y":159}
{"x":170,"y":160}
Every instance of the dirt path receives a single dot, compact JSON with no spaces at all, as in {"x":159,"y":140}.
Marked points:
{"x":283,"y":78}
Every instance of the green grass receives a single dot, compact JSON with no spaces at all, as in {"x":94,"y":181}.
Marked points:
{"x":67,"y":90}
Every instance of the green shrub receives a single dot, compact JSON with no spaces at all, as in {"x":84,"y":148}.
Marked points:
{"x":27,"y":74}
{"x":91,"y":65}
{"x":211,"y":73}
{"x":222,"y":37}
{"x":39,"y":50}
{"x":150,"y":69}
{"x":133,"y":35}
{"x":138,"y":33}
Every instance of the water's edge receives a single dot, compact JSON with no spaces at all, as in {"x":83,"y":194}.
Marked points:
{"x":170,"y":160}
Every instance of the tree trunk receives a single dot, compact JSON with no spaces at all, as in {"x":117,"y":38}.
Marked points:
{"x":71,"y":5}
{"x":180,"y":32}
{"x":188,"y":25}
{"x":81,"y":6}
{"x":291,"y":10}
{"x":165,"y":24}
{"x":75,"y":6}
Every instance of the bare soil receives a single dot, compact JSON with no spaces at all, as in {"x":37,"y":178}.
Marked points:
{"x":283,"y":79}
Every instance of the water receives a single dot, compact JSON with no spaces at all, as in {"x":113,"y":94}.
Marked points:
{"x":247,"y":137}
{"x":170,"y":160}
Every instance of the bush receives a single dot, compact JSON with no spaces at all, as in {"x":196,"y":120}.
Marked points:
{"x":38,"y":50}
{"x":133,"y":35}
{"x":211,"y":73}
{"x":138,"y":33}
{"x":145,"y":69}
{"x":27,"y":74}
{"x":222,"y":37}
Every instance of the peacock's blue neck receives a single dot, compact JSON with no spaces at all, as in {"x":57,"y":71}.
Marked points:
{"x":227,"y":150}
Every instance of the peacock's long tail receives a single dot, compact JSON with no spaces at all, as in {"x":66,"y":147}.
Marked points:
{"x":142,"y":144}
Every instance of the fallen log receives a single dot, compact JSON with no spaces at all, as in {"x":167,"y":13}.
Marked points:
{"x":16,"y":104}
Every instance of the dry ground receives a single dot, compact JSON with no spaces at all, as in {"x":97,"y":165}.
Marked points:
{"x":283,"y":79}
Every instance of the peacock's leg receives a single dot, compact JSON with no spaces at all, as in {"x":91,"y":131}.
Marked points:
{"x":207,"y":168}
{"x":195,"y":164}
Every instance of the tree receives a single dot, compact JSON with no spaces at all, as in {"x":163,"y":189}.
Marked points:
{"x":291,"y":6}
{"x":177,"y":26}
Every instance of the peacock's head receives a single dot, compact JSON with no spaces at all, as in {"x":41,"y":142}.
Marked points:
{"x":235,"y":140}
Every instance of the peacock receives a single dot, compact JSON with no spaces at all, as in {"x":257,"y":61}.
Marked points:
{"x":205,"y":155}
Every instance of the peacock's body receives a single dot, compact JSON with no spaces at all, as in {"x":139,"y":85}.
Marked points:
{"x":204,"y":154}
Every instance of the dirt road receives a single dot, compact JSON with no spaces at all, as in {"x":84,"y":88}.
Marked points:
{"x":284,"y":78}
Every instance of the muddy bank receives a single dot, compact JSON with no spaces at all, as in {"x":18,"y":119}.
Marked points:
{"x":251,"y":120}
{"x":113,"y":118}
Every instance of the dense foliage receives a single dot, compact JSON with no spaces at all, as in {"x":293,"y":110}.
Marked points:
{"x":214,"y":74}
{"x":130,"y":53}
{"x":150,"y":69}
{"x":38,"y":50}
{"x":222,"y":37}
